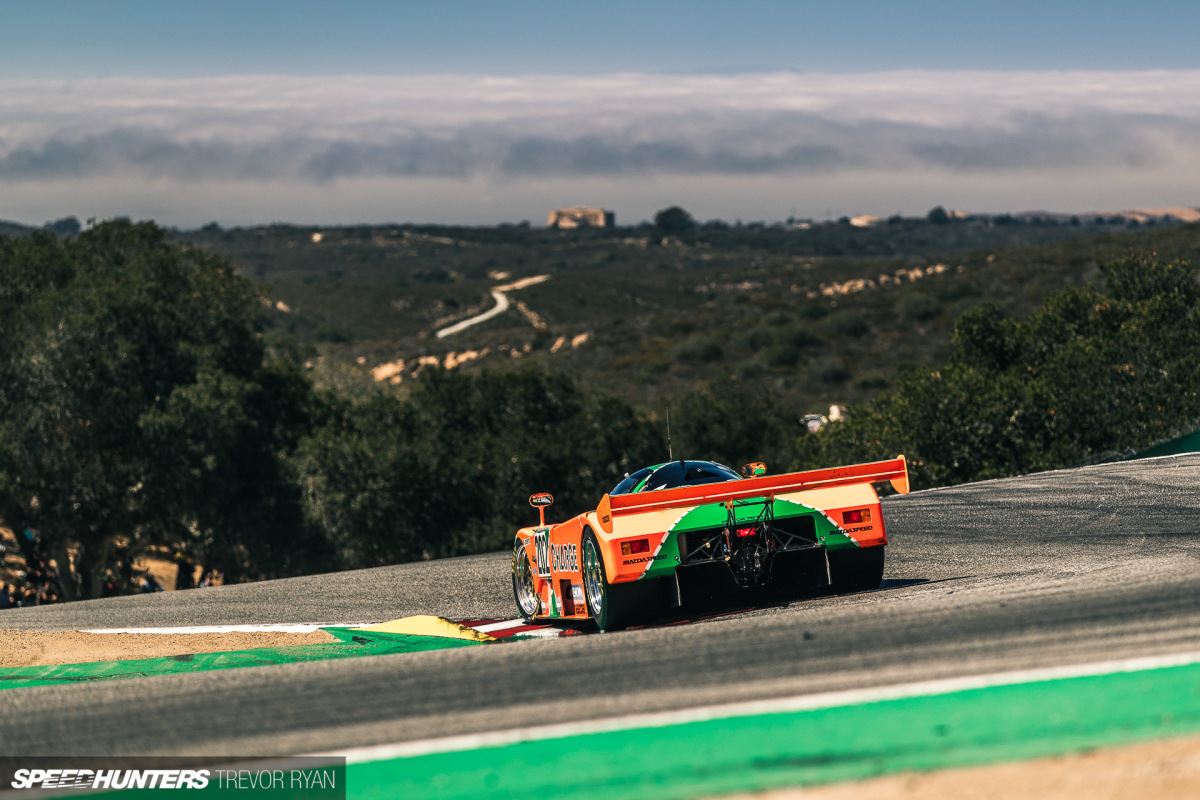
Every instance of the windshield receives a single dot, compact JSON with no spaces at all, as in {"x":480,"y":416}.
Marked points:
{"x":674,"y":474}
{"x":626,"y":486}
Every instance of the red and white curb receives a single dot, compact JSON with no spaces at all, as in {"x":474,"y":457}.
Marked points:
{"x":498,"y":629}
{"x":510,"y":628}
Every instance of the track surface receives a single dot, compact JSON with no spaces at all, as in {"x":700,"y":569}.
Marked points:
{"x":1044,"y":570}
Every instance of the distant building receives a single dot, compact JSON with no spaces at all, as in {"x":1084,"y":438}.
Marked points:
{"x":580,"y":217}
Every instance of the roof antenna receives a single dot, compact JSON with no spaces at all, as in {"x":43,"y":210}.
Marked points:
{"x":670,"y":457}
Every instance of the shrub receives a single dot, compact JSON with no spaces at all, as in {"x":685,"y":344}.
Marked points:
{"x":699,"y":351}
{"x":829,"y":371}
{"x":758,"y":338}
{"x":751,"y":370}
{"x":802,"y":337}
{"x":918,"y":307}
{"x":783,"y":356}
{"x":845,"y":323}
{"x":813,"y":311}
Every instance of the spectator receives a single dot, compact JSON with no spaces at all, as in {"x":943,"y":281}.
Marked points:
{"x":7,"y":598}
{"x":185,"y":574}
{"x":47,"y":595}
{"x":150,"y":585}
{"x":28,"y":543}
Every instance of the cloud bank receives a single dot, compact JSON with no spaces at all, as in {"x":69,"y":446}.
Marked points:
{"x":778,"y":141}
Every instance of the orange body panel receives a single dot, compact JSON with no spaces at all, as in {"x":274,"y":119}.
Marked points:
{"x":835,"y":502}
{"x":562,"y":589}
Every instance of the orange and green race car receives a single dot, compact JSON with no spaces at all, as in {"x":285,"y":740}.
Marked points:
{"x":688,"y":531}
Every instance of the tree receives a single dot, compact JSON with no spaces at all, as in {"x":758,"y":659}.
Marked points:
{"x":673,"y":221}
{"x":938,"y":216}
{"x":732,"y":423}
{"x":67,"y":226}
{"x":138,"y":407}
{"x":448,"y":469}
{"x":1089,"y":374}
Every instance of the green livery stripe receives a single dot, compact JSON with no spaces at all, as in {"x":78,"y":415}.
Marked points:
{"x":711,"y":515}
{"x":714,"y":515}
{"x":666,"y":561}
{"x":799,"y":748}
{"x":836,"y":540}
{"x":350,"y":644}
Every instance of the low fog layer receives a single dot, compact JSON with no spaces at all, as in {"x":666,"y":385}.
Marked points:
{"x":477,"y":149}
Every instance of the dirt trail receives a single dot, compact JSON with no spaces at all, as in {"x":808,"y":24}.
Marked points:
{"x":502,"y":305}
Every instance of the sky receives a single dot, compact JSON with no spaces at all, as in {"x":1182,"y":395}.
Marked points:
{"x":484,"y":112}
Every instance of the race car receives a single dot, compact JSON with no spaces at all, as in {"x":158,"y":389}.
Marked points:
{"x":686,"y":531}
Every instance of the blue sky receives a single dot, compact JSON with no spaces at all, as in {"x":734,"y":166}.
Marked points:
{"x":52,"y":38}
{"x":483,"y":112}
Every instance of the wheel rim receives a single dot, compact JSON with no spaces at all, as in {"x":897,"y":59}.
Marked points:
{"x":593,"y":579}
{"x":523,"y":581}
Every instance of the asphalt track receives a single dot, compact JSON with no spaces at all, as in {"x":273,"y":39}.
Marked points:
{"x":1040,"y":571}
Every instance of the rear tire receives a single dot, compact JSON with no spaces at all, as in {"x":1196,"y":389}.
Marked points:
{"x":611,"y":607}
{"x":855,"y":570}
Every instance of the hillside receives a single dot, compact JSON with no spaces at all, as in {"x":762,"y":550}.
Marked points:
{"x":820,"y":316}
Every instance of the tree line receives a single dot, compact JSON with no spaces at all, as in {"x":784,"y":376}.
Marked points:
{"x":142,"y":408}
{"x":1093,"y":374}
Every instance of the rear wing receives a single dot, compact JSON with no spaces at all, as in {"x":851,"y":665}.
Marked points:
{"x":895,"y":471}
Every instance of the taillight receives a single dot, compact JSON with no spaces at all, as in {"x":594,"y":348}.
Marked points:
{"x":743,"y":532}
{"x":634,"y":547}
{"x":856,"y":517}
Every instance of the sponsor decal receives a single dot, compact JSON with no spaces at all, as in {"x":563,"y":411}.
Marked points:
{"x":577,"y":593}
{"x":638,"y":560}
{"x":110,"y":779}
{"x":604,"y":514}
{"x":859,"y":528}
{"x":565,"y":557}
{"x":297,"y":778}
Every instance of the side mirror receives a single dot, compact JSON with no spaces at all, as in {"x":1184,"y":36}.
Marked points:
{"x":754,"y":470}
{"x":540,"y":501}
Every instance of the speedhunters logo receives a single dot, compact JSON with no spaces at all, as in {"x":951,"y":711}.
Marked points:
{"x":110,"y":779}
{"x":298,"y":778}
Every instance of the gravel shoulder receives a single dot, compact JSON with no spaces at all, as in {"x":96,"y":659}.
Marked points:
{"x":23,"y":648}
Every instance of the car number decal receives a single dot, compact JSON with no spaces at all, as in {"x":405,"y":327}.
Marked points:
{"x":541,"y":546}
